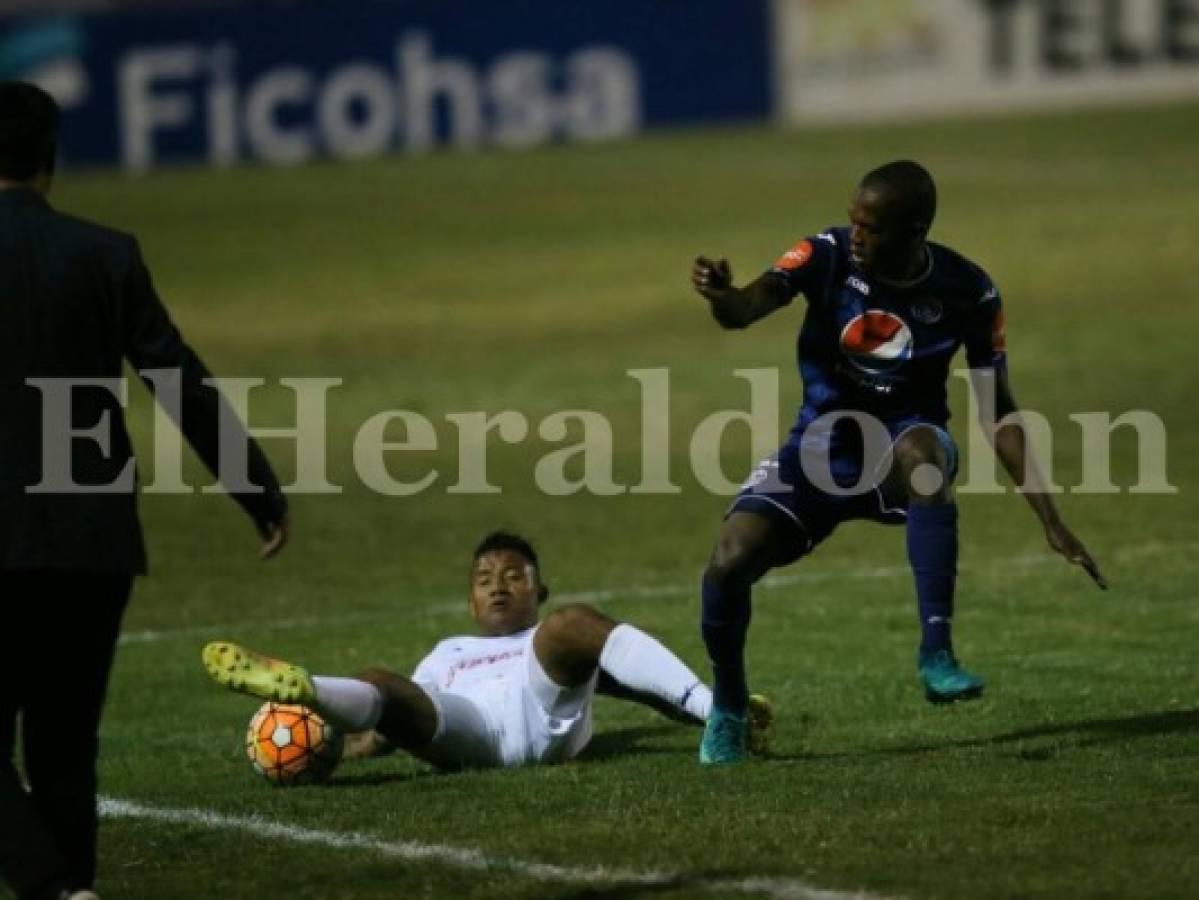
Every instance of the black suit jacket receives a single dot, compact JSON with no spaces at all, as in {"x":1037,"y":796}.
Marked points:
{"x":75,"y":301}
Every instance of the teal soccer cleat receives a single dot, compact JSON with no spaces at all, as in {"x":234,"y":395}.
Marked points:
{"x":726,"y":739}
{"x":944,"y":680}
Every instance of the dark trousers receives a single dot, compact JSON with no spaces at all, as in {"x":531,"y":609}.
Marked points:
{"x":58,"y":635}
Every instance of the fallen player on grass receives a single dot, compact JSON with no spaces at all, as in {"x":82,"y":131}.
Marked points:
{"x":519,"y":693}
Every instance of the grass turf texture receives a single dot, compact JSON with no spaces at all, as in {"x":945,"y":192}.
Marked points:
{"x":532,"y":282}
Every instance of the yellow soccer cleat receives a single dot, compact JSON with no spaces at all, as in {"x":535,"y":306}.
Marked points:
{"x":760,"y":716}
{"x":252,"y":673}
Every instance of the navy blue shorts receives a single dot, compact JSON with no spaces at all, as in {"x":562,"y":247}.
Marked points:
{"x":782,"y":491}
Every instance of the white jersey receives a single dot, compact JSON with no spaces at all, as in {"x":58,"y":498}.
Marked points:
{"x":464,"y":664}
{"x":497,"y":707}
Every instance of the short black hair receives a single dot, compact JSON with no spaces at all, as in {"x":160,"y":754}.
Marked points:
{"x":909,"y":187}
{"x":28,"y":130}
{"x":506,"y":540}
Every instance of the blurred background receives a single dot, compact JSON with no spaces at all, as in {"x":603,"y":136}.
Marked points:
{"x":220,"y":81}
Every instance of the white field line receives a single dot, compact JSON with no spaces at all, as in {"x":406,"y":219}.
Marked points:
{"x":464,"y":857}
{"x":772,"y":582}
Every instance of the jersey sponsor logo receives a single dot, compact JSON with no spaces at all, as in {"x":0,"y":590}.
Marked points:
{"x":796,"y":257}
{"x":928,"y":311}
{"x":827,"y":236}
{"x":877,"y":341}
{"x":489,"y":659}
{"x":858,"y":285}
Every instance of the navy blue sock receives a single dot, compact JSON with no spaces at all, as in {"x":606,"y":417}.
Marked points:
{"x":725,"y":621}
{"x":933,"y":553}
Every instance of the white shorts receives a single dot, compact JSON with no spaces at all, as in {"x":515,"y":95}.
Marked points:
{"x":517,"y":721}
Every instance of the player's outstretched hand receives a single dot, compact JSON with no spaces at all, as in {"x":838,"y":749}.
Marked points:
{"x":711,"y":278}
{"x":365,"y":744}
{"x":274,"y":537}
{"x":1064,"y":542}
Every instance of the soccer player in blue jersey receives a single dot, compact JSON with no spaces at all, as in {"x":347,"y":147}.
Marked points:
{"x":887,"y":309}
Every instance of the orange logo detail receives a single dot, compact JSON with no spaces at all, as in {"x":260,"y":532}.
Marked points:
{"x":796,"y":257}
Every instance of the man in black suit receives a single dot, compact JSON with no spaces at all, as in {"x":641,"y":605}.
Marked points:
{"x":75,"y":301}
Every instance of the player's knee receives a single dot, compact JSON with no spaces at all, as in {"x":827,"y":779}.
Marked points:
{"x":919,"y":446}
{"x":572,"y":621}
{"x":923,"y":464}
{"x":569,"y":642}
{"x":732,"y":563}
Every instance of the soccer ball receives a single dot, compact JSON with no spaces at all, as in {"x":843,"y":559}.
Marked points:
{"x":290,"y":744}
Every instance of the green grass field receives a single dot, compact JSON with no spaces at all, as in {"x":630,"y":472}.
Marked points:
{"x":533,"y":282}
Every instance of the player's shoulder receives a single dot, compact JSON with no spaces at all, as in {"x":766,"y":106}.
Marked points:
{"x":833,"y":240}
{"x":959,"y":277}
{"x":825,"y":248}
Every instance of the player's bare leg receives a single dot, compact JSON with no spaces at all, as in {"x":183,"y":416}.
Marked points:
{"x":575,"y":641}
{"x":748,"y":546}
{"x":569,"y":642}
{"x":407,"y":719}
{"x":922,"y":470}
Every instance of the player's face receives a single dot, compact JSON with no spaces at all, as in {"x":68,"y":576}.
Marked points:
{"x":879,"y":243}
{"x":505,"y":591}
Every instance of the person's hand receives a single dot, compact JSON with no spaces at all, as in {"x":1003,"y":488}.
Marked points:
{"x":711,"y":278}
{"x":363,"y":744}
{"x":1064,"y":542}
{"x":274,"y":537}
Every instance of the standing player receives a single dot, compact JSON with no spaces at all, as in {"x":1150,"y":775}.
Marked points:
{"x":887,"y":310}
{"x":518,"y":694}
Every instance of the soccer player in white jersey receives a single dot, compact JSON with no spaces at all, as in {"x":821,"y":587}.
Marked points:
{"x":518,"y":693}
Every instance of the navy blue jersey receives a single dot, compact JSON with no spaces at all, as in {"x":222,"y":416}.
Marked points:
{"x":885,"y":348}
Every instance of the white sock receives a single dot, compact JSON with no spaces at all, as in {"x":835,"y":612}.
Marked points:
{"x":348,"y":704}
{"x":643,"y":664}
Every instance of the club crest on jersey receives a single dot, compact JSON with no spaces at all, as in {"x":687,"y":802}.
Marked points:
{"x":877,"y":341}
{"x":927,"y":311}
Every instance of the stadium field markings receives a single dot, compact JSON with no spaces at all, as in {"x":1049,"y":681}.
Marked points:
{"x":466,"y":858}
{"x":604,"y":595}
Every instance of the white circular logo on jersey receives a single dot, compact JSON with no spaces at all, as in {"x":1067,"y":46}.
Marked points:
{"x":877,"y":341}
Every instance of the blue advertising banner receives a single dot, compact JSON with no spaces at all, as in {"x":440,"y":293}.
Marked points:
{"x":355,"y":79}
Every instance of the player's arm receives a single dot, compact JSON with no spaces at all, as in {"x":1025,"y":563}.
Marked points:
{"x":1007,"y":435}
{"x":735,"y":307}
